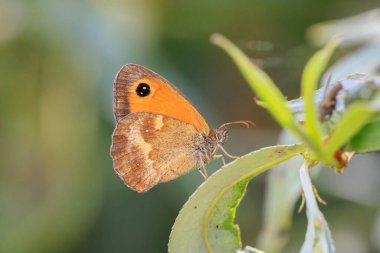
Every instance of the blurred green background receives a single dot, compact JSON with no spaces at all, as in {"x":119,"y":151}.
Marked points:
{"x":58,"y":190}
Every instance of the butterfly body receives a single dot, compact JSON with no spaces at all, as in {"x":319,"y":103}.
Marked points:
{"x":159,"y":135}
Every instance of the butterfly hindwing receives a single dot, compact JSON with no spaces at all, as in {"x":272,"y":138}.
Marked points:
{"x":149,"y":148}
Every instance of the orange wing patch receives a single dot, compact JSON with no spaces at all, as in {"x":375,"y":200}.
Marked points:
{"x":164,"y":98}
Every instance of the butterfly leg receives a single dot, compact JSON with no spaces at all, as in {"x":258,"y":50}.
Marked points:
{"x":202,"y":170}
{"x":222,"y":157}
{"x":226,"y":153}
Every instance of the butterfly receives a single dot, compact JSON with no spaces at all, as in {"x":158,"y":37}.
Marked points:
{"x":159,"y":135}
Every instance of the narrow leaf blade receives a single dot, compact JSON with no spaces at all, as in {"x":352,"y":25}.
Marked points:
{"x":265,"y":88}
{"x":310,"y":82}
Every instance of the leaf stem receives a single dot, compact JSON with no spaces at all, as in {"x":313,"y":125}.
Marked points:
{"x":318,"y":236}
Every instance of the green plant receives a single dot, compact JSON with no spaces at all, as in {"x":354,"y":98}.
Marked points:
{"x":206,"y":222}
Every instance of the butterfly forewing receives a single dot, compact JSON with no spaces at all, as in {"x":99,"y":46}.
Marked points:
{"x":164,"y":98}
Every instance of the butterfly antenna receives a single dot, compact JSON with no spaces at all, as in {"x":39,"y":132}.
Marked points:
{"x":226,"y":153}
{"x":246,"y":123}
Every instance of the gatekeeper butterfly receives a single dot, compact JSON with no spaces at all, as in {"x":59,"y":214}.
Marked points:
{"x":159,"y":135}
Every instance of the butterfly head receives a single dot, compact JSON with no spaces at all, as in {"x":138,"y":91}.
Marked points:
{"x":220,"y":135}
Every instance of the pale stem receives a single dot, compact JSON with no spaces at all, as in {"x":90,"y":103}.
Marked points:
{"x":318,"y":236}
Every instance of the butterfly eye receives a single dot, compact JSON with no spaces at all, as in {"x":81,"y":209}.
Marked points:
{"x":143,"y":89}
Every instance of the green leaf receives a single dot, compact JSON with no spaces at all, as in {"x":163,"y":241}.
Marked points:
{"x":367,"y":140}
{"x":310,"y":82}
{"x":223,"y":234}
{"x":205,"y":223}
{"x":353,"y":120}
{"x":265,"y":88}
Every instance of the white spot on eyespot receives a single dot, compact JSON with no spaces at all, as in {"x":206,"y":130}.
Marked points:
{"x":147,"y":131}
